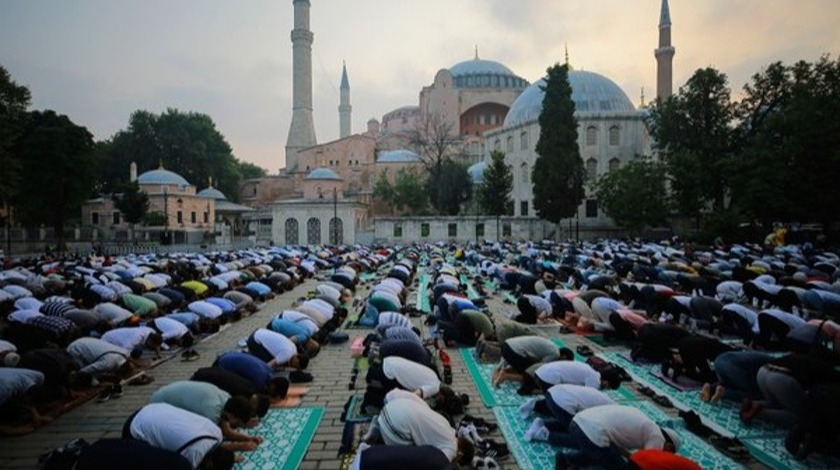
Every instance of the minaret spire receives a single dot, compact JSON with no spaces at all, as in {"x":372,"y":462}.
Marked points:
{"x":302,"y":129}
{"x":664,"y":55}
{"x":344,"y":108}
{"x":476,"y":52}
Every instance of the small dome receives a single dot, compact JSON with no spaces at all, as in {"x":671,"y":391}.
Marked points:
{"x":591,"y":92}
{"x":398,"y":156}
{"x":161,"y":176}
{"x":212,"y":193}
{"x":477,"y":172}
{"x":322,"y":174}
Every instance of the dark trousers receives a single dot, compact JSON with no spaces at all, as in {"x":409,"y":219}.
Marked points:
{"x":772,"y":332}
{"x":527,"y":312}
{"x":517,"y":362}
{"x":258,"y":349}
{"x":622,"y":329}
{"x":733,"y":323}
{"x":585,"y":452}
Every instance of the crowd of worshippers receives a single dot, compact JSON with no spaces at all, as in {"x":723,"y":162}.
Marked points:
{"x":115,"y":309}
{"x":753,"y":324}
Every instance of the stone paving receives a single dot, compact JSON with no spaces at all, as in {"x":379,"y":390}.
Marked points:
{"x":331,"y":370}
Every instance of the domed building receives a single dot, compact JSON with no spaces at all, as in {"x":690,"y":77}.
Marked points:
{"x":176,"y":212}
{"x":611,"y":131}
{"x":228,"y":221}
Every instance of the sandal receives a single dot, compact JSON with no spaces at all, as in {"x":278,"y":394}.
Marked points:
{"x":646,"y":391}
{"x":731,"y":447}
{"x":662,"y":400}
{"x":584,"y":350}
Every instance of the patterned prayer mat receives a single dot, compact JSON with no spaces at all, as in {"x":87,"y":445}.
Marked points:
{"x":423,"y":294}
{"x":287,"y":433}
{"x":771,"y":452}
{"x":722,"y":417}
{"x":353,"y":411}
{"x":472,"y":294}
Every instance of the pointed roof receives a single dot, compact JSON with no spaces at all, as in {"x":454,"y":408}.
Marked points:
{"x":665,"y":15}
{"x":345,"y":84}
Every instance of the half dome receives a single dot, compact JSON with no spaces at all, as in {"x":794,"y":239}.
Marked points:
{"x":322,"y":174}
{"x":398,"y":156}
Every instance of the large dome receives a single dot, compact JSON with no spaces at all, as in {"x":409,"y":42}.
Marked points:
{"x":162,"y":177}
{"x":591,"y":92}
{"x":322,"y":174}
{"x":398,"y":156}
{"x":479,"y":73}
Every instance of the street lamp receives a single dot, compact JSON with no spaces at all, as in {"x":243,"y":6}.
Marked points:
{"x":335,"y":216}
{"x":165,"y":216}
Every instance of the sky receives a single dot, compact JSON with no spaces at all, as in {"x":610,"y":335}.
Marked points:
{"x":97,"y":61}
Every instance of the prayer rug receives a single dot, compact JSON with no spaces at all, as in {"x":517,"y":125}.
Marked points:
{"x":423,"y":303}
{"x":366,"y":277}
{"x":601,"y":341}
{"x":772,"y":452}
{"x":287,"y":433}
{"x":508,"y":297}
{"x":353,"y":411}
{"x":683,"y":384}
{"x":472,"y":294}
{"x":722,"y":417}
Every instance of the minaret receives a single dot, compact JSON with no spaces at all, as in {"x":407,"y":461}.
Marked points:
{"x":302,"y":130}
{"x":344,"y":108}
{"x":664,"y":55}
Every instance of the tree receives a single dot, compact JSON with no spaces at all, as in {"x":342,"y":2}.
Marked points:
{"x":451,"y":188}
{"x":696,"y":138}
{"x":383,"y":189}
{"x":14,"y":99}
{"x":132,"y":203}
{"x":494,"y":192}
{"x":59,"y":164}
{"x":558,"y":171}
{"x":248,"y":170}
{"x":410,"y":192}
{"x":439,"y":147}
{"x":635,"y":195}
{"x":187,"y":143}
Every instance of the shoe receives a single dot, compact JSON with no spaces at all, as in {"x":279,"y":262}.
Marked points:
{"x":190,"y":355}
{"x":584,"y":350}
{"x":491,"y":448}
{"x":663,"y":401}
{"x":104,"y":396}
{"x":480,"y":423}
{"x":490,"y":463}
{"x":116,"y":391}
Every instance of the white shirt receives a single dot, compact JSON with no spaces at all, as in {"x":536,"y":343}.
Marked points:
{"x":301,"y":319}
{"x":405,"y":421}
{"x":387,"y":319}
{"x":128,"y":338}
{"x":28,"y":303}
{"x":569,"y":372}
{"x":170,"y":329}
{"x":789,"y":319}
{"x":15,"y":382}
{"x":6,"y":346}
{"x":624,"y":426}
{"x":96,"y":356}
{"x":23,"y":316}
{"x":205,"y":309}
{"x":751,"y":316}
{"x":411,"y":375}
{"x":323,"y":307}
{"x":112,"y":313}
{"x":167,"y":427}
{"x":280,"y":347}
{"x":576,"y":398}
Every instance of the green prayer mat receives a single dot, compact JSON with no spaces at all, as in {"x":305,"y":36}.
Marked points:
{"x":365,"y":277}
{"x":721,"y":417}
{"x":287,"y":433}
{"x":472,"y":294}
{"x":771,"y":452}
{"x":354,"y":412}
{"x":604,"y":343}
{"x":423,"y":294}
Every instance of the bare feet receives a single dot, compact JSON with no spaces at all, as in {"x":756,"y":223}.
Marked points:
{"x":297,"y":391}
{"x":288,"y":402}
{"x":706,"y":392}
{"x":719,"y":393}
{"x":497,"y":374}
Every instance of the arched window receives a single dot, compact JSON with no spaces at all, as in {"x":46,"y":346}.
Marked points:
{"x":313,"y":231}
{"x":615,"y":163}
{"x":615,"y":136}
{"x":591,"y":136}
{"x":523,"y":141}
{"x":336,"y":231}
{"x":591,"y":168}
{"x":525,"y":173}
{"x":510,"y":144}
{"x":291,"y":231}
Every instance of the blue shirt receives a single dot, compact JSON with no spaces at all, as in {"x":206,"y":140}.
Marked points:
{"x":248,"y":367}
{"x":289,"y":328}
{"x":259,"y":287}
{"x":226,"y":305}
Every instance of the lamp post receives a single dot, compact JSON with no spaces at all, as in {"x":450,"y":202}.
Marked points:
{"x":335,"y":216}
{"x":165,"y":216}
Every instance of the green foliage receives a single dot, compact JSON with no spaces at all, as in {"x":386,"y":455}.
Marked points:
{"x":14,"y":100}
{"x":154,"y":219}
{"x":383,"y":189}
{"x":635,"y":195}
{"x":410,"y":192}
{"x":59,"y":164}
{"x":449,"y":189}
{"x":248,"y":170}
{"x":696,"y":138}
{"x":494,"y":193}
{"x":558,"y":171}
{"x":187,"y":143}
{"x":132,"y":203}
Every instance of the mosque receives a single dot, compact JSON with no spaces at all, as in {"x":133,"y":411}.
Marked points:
{"x":325,"y":192}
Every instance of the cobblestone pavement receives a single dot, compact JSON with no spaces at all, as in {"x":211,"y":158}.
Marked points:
{"x":331,"y":370}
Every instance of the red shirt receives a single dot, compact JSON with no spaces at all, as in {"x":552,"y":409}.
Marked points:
{"x":652,"y":459}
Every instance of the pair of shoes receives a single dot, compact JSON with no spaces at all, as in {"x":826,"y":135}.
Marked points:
{"x":190,"y":355}
{"x":663,"y":401}
{"x":299,"y":376}
{"x":491,"y":448}
{"x":565,"y":330}
{"x":730,"y":446}
{"x":485,"y":463}
{"x":585,"y":350}
{"x":647,"y":391}
{"x":141,"y":379}
{"x":469,"y":432}
{"x":111,"y":393}
{"x":482,"y":425}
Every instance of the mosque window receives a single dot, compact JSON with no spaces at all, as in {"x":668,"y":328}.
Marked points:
{"x":510,"y":144}
{"x":488,"y":118}
{"x":506,"y":229}
{"x":591,"y":208}
{"x":291,"y":231}
{"x":180,"y":217}
{"x":424,"y":229}
{"x":313,"y":231}
{"x":524,"y":173}
{"x":591,"y":136}
{"x":479,"y":230}
{"x":193,"y":217}
{"x":452,"y":230}
{"x":206,"y":217}
{"x":523,"y":141}
{"x":591,"y":168}
{"x":336,"y":231}
{"x":615,"y":163}
{"x":398,"y":230}
{"x":523,"y":208}
{"x":94,"y":218}
{"x":615,"y":136}
{"x":115,"y":218}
